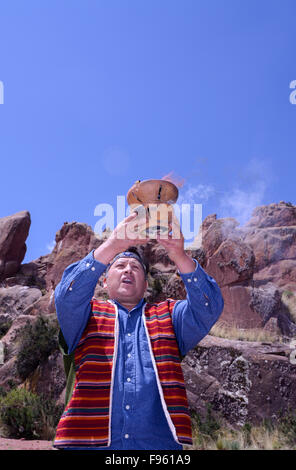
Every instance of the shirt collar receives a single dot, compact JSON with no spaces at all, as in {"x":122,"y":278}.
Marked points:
{"x":140,"y":304}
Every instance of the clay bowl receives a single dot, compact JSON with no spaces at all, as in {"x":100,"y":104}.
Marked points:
{"x":152,"y":192}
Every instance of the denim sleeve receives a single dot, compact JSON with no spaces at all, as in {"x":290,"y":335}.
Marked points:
{"x":73,"y":295}
{"x":194,"y":317}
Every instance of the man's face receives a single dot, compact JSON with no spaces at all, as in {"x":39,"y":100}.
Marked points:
{"x":125,"y":281}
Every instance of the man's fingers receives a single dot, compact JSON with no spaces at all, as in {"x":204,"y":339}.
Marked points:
{"x":130,"y":217}
{"x":175,"y":230}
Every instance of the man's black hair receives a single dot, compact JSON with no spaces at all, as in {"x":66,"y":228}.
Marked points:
{"x":135,"y":253}
{"x":139,"y":252}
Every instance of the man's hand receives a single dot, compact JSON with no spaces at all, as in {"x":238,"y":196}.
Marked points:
{"x":123,"y":236}
{"x":174,"y":245}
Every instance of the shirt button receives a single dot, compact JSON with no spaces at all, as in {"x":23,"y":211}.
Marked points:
{"x":195,"y":279}
{"x":87,"y":265}
{"x":126,"y":436}
{"x":127,"y":407}
{"x":128,"y":334}
{"x":93,"y":268}
{"x":206,"y":304}
{"x":128,"y":379}
{"x":70,"y":288}
{"x":188,"y":280}
{"x":129,"y":355}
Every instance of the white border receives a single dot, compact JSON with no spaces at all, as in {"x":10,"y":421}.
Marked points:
{"x":116,"y":334}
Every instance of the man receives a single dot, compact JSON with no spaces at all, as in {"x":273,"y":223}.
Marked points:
{"x":129,"y":389}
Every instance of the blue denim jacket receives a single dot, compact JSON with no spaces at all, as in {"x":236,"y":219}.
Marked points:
{"x":138,"y":420}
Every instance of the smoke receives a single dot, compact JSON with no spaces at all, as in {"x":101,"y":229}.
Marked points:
{"x":240,"y":203}
{"x":50,"y":246}
{"x":196,"y":194}
{"x":248,"y":193}
{"x":173,"y":178}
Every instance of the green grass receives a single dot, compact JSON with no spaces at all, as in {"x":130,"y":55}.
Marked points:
{"x":24,"y":414}
{"x":210,"y":434}
{"x":253,"y":334}
{"x":37,"y":341}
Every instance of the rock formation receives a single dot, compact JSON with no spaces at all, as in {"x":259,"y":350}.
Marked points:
{"x":243,"y":381}
{"x":255,"y":267}
{"x":14,"y":230}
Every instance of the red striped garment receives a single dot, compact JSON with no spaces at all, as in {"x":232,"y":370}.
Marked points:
{"x":86,"y":420}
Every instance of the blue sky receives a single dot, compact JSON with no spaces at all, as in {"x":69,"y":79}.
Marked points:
{"x":101,"y":93}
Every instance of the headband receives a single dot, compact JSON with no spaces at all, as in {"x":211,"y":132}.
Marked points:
{"x":128,"y":254}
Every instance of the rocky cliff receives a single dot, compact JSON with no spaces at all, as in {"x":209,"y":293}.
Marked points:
{"x":255,"y":266}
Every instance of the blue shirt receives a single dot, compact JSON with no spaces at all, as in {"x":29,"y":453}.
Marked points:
{"x":138,"y":420}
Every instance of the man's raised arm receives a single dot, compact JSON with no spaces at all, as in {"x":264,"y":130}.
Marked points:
{"x":194,"y":317}
{"x":73,"y":295}
{"x":74,"y":292}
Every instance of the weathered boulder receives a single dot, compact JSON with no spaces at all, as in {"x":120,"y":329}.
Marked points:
{"x":254,"y":256}
{"x":272,"y":244}
{"x":10,"y":339}
{"x":272,"y":327}
{"x":281,"y":273}
{"x":48,"y":379}
{"x":215,"y":231}
{"x":157,"y":256}
{"x":243,"y":381}
{"x":282,"y":214}
{"x":15,"y":299}
{"x":9,"y":377}
{"x":232,"y":262}
{"x":73,"y":242}
{"x":237,"y":308}
{"x":267,"y":302}
{"x":175,"y":288}
{"x":14,"y":230}
{"x":32,"y":274}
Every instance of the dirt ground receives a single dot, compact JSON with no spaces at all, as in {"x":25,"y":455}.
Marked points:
{"x":22,"y":444}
